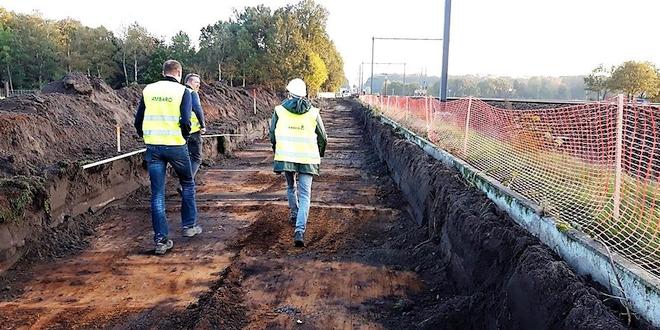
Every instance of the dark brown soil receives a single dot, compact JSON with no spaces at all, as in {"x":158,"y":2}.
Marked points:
{"x":49,"y":135}
{"x":367,"y":264}
{"x":74,"y":120}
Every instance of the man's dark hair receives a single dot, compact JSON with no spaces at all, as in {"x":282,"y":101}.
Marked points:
{"x":191,"y":75}
{"x":171,"y":67}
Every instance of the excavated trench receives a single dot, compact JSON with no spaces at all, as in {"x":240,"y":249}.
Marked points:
{"x":367,"y":264}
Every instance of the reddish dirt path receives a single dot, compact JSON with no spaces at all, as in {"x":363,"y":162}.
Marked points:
{"x":243,"y":269}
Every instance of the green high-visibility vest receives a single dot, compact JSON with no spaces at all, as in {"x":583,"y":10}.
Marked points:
{"x":195,"y":126}
{"x":162,"y":101}
{"x":295,"y":137}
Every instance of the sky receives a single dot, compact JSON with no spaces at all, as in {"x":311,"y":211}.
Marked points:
{"x":516,"y":38}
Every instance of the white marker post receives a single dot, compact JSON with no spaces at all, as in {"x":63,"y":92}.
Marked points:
{"x":467,"y":127}
{"x":619,"y":151}
{"x":118,"y":138}
{"x":254,"y":100}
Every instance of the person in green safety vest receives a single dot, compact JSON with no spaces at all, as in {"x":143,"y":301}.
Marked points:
{"x":299,"y":140}
{"x":198,"y":125}
{"x":163,"y":120}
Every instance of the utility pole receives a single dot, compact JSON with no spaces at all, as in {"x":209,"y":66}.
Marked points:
{"x":445,"y":53}
{"x":404,"y":80}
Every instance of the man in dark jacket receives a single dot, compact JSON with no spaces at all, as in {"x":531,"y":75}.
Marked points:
{"x":163,"y":120}
{"x":299,"y":140}
{"x":197,"y":125}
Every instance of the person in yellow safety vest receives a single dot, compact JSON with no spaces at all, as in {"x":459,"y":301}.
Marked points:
{"x":163,"y":120}
{"x":299,"y":140}
{"x":198,"y":125}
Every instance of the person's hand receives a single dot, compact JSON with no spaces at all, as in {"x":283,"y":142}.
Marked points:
{"x":203,"y":130}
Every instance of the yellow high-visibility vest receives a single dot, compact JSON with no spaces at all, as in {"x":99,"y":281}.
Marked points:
{"x":295,"y":137}
{"x":195,"y":125}
{"x":162,"y":101}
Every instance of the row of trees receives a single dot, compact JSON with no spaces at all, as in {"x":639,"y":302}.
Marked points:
{"x":634,"y":79}
{"x":568,"y":87}
{"x":255,"y":46}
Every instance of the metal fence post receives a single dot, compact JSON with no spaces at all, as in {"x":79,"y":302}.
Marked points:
{"x":427,"y":112}
{"x":467,"y":127}
{"x":388,"y":103}
{"x":407,"y":107}
{"x":619,"y":151}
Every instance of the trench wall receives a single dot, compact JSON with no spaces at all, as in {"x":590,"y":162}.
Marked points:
{"x":74,"y":193}
{"x":488,"y":250}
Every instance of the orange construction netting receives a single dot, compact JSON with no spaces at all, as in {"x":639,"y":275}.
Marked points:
{"x":595,"y":167}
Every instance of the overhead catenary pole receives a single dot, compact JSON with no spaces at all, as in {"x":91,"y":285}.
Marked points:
{"x":445,"y":52}
{"x":371,"y":87}
{"x":389,"y":63}
{"x":373,"y":39}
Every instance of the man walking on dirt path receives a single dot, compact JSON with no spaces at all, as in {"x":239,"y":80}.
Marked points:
{"x":198,"y":125}
{"x":299,"y":140}
{"x":163,"y":120}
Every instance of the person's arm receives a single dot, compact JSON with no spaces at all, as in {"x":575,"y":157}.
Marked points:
{"x":186,"y":112}
{"x":139,"y":117}
{"x":271,"y":131}
{"x":321,"y":136}
{"x":197,"y":108}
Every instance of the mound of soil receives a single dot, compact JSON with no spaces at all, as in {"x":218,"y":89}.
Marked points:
{"x":72,"y":120}
{"x":75,"y":120}
{"x":226,"y":108}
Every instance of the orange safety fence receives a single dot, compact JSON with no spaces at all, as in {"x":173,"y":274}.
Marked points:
{"x":594,"y":167}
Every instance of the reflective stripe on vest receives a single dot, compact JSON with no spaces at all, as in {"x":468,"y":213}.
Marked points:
{"x":194,"y":122}
{"x":295,"y":137}
{"x":162,"y":101}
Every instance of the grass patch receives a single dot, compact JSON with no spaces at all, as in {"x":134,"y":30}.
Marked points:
{"x":20,"y":193}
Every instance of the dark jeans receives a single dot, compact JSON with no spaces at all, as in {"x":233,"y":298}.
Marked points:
{"x":195,"y":151}
{"x":157,"y":158}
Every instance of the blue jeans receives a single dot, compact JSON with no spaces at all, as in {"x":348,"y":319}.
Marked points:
{"x":157,"y":158}
{"x":299,"y":203}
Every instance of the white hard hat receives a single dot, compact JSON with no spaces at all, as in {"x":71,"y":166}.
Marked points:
{"x":297,"y":87}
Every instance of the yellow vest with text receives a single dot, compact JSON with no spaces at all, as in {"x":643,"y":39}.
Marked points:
{"x":295,"y":137}
{"x":162,"y":101}
{"x":194,"y":122}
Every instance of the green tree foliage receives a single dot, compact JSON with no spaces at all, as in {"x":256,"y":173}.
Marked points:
{"x":636,"y":79}
{"x":154,"y":69}
{"x":6,"y":39}
{"x":138,"y":47}
{"x":215,"y":44}
{"x":315,"y":73}
{"x":181,"y":48}
{"x":32,"y":49}
{"x":598,"y":81}
{"x":255,"y":46}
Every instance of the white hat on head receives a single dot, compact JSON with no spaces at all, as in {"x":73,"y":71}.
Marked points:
{"x":297,"y":87}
